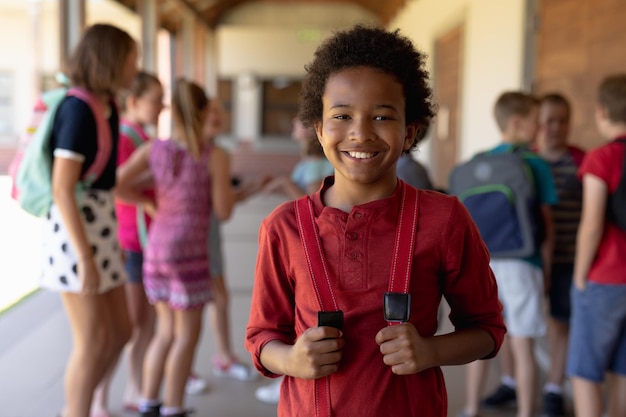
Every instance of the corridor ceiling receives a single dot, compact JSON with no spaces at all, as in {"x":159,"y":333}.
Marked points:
{"x":210,"y":12}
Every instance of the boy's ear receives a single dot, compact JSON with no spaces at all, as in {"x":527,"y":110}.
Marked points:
{"x":601,"y":112}
{"x":409,"y":135}
{"x":317,"y":125}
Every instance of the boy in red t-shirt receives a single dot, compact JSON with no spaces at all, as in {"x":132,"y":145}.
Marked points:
{"x":598,"y":327}
{"x":367,"y":95}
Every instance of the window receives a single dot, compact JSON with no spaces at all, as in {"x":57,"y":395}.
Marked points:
{"x":280,"y":106}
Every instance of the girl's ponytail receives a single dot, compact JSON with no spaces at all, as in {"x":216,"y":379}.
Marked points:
{"x":189,"y":102}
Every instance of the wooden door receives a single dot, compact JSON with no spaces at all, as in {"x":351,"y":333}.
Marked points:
{"x":579,"y":42}
{"x":447,"y":93}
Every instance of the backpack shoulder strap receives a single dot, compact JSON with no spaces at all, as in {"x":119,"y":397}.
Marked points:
{"x":105,"y":142}
{"x":316,"y":263}
{"x":132,"y":134}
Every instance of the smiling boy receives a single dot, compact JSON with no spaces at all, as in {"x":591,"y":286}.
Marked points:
{"x":367,"y":96}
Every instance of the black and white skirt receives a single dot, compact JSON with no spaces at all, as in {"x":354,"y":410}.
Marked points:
{"x":60,"y":260}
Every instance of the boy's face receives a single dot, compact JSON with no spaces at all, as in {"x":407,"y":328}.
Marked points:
{"x":553,"y":126}
{"x":363,"y":129}
{"x":527,"y":126}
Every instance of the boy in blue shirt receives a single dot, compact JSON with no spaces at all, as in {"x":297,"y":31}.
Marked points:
{"x":521,"y":281}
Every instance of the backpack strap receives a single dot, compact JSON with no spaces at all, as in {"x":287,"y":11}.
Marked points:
{"x":105,"y":142}
{"x":132,"y":134}
{"x":318,"y":270}
{"x":142,"y":228}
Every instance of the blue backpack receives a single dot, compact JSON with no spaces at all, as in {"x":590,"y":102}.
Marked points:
{"x":33,"y":173}
{"x":499,"y":192}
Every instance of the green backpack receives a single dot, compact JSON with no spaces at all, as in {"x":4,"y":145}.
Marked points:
{"x":33,"y":181}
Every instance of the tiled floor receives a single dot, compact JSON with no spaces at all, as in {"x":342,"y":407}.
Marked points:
{"x":35,"y":342}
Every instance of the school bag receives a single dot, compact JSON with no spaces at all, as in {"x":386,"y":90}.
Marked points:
{"x":498,"y":191}
{"x":142,"y":227}
{"x":32,"y":169}
{"x":617,"y":200}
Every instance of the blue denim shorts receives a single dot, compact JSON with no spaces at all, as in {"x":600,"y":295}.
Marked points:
{"x":560,"y":291}
{"x":134,"y":266}
{"x":598,"y":332}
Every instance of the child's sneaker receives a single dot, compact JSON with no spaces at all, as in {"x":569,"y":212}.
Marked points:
{"x":553,"y":405}
{"x":149,"y":410}
{"x":504,"y":396}
{"x":269,"y":394}
{"x":234,"y":370}
{"x":195,"y":385}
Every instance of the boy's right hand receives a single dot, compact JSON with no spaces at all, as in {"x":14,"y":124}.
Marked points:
{"x":316,"y":353}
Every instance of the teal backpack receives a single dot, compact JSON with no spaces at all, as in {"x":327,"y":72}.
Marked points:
{"x":33,"y":177}
{"x":142,"y":227}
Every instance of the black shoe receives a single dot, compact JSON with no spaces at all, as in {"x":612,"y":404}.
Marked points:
{"x":504,"y":396}
{"x":151,"y":411}
{"x":553,"y":405}
{"x":186,"y":413}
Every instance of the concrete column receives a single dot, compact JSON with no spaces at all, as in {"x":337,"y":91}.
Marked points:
{"x":187,"y":34}
{"x":72,"y":16}
{"x":247,"y":107}
{"x":210,"y":57}
{"x":148,"y":12}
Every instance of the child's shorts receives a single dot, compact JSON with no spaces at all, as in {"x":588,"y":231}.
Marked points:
{"x":560,"y":290}
{"x":598,"y":332}
{"x":520,"y":289}
{"x":216,"y":258}
{"x":97,"y":215}
{"x":134,"y":266}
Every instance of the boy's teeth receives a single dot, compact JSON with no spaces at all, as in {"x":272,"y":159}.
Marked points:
{"x":361,"y":155}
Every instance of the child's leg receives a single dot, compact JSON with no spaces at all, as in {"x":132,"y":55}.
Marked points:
{"x":93,"y":349}
{"x":558,"y":334}
{"x":157,"y":353}
{"x":506,"y":362}
{"x":558,"y":324}
{"x":617,"y":395}
{"x":143,"y":318}
{"x":525,"y":372}
{"x":474,"y":386}
{"x":587,"y":397}
{"x":119,"y":329}
{"x":220,"y":320}
{"x":187,"y":326}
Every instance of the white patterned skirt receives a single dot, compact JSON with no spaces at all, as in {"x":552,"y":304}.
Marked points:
{"x":60,"y":259}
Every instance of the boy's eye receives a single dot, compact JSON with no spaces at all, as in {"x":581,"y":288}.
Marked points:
{"x":382,"y":118}
{"x":341,"y":116}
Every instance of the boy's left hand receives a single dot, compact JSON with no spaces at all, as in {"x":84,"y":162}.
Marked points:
{"x":404,"y":349}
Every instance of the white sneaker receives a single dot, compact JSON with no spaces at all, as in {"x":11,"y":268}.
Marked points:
{"x":235,"y":370}
{"x":195,"y":385}
{"x":269,"y":394}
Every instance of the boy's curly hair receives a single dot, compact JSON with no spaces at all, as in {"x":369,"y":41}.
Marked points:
{"x":371,"y":47}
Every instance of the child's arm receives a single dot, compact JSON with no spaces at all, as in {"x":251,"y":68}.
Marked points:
{"x":408,"y":353}
{"x":286,"y":186}
{"x":127,"y":187}
{"x":315,"y":354}
{"x":222,"y":193}
{"x":591,"y":228}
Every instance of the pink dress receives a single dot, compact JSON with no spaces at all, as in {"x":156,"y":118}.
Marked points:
{"x":176,"y":266}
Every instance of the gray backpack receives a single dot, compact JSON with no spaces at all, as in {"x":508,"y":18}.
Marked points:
{"x":498,"y":191}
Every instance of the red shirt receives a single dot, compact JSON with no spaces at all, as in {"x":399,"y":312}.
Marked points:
{"x":450,"y":260}
{"x":609,"y":266}
{"x":127,"y":213}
